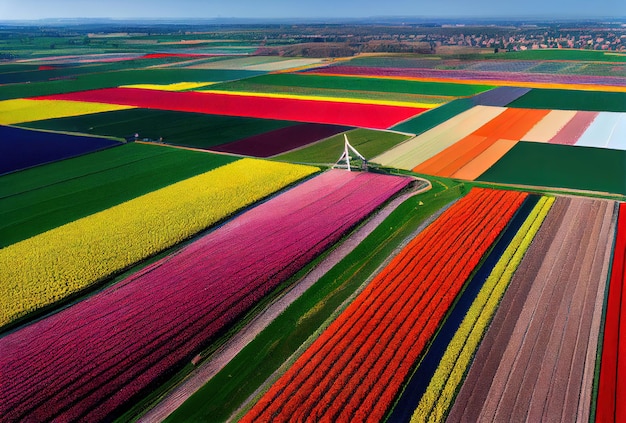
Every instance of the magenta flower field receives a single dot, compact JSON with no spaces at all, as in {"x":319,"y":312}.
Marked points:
{"x":88,"y":360}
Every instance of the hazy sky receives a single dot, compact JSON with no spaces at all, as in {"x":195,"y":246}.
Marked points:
{"x":37,"y":9}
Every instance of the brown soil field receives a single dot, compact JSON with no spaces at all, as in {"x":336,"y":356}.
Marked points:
{"x":537,"y":359}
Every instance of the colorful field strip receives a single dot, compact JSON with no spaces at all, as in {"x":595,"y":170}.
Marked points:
{"x":433,"y":117}
{"x":500,"y":96}
{"x":420,"y":377}
{"x":549,"y":126}
{"x":99,"y":80}
{"x":26,"y":110}
{"x":484,"y":146}
{"x":439,"y":395}
{"x":351,"y":114}
{"x":176,"y":86}
{"x":523,"y":80}
{"x":432,"y":142}
{"x":23,"y":148}
{"x":39,"y":199}
{"x":612,"y":381}
{"x":537,"y":359}
{"x":354,"y":369}
{"x":281,"y":140}
{"x":561,"y":166}
{"x":574,"y":129}
{"x":608,"y":130}
{"x":113,"y":346}
{"x":55,"y":264}
{"x":335,"y":99}
{"x":258,"y":63}
{"x":303,"y":81}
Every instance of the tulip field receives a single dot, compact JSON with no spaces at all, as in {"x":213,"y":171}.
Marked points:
{"x":181,"y":238}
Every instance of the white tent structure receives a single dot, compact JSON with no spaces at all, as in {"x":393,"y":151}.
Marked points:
{"x":344,"y":160}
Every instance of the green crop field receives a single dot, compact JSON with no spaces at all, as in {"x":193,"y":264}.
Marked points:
{"x":368,"y":142}
{"x":554,"y":165}
{"x":44,"y":197}
{"x":351,"y":83}
{"x":572,"y":100}
{"x":180,"y":128}
{"x":560,"y":54}
{"x":431,"y":118}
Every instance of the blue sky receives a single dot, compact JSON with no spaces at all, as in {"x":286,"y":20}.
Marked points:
{"x":37,"y":9}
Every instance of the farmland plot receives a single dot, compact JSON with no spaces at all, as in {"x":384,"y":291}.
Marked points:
{"x":538,"y":357}
{"x":354,"y":370}
{"x":336,"y":113}
{"x":21,"y":148}
{"x":51,"y":266}
{"x":112,"y":347}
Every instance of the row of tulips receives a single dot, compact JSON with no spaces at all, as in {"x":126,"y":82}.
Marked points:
{"x":354,"y":370}
{"x":444,"y":384}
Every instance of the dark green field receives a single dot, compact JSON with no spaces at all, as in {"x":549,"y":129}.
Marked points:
{"x":303,"y":81}
{"x":44,"y":197}
{"x":431,"y":118}
{"x":368,"y":142}
{"x":572,"y":100}
{"x":180,"y":128}
{"x":561,"y":166}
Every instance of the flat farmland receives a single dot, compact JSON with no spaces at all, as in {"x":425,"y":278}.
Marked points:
{"x":538,"y":357}
{"x":337,"y":113}
{"x":172,"y":127}
{"x":169,"y":328}
{"x":208,"y":263}
{"x":553,"y":165}
{"x":45,"y":197}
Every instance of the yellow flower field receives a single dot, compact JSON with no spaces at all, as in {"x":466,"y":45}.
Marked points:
{"x":417,"y":105}
{"x":27,"y":110}
{"x":443,"y":386}
{"x":177,"y":86}
{"x":55,"y":264}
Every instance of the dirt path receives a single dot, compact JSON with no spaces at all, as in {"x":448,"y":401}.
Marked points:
{"x":228,"y":351}
{"x":537,"y":360}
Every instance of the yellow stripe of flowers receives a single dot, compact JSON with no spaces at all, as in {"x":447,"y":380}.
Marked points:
{"x":326,"y":98}
{"x":442,"y":389}
{"x":28,"y":110}
{"x":55,"y":264}
{"x":177,"y":86}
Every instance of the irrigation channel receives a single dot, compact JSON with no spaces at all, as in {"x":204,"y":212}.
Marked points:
{"x":205,"y":371}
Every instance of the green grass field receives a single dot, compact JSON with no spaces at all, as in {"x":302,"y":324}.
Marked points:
{"x":562,"y":166}
{"x":368,"y":142}
{"x":225,"y":392}
{"x":44,"y":197}
{"x":431,"y":118}
{"x":572,"y":100}
{"x":189,"y":129}
{"x":268,"y":83}
{"x":560,"y":54}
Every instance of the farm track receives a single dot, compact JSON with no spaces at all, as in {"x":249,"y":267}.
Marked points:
{"x":228,"y":351}
{"x":539,"y":353}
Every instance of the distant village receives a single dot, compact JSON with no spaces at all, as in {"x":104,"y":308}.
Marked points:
{"x":531,"y":40}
